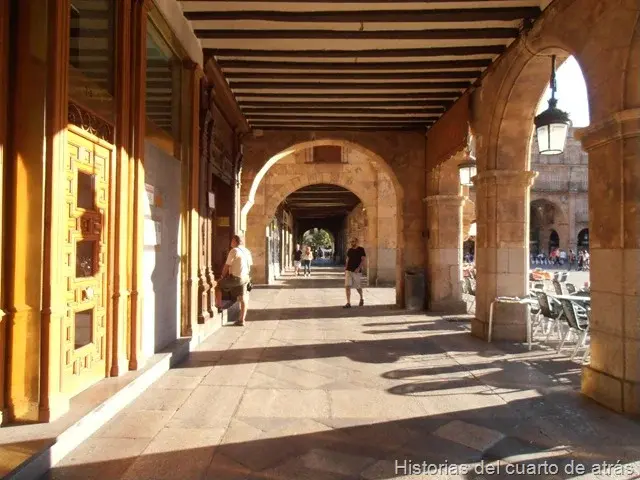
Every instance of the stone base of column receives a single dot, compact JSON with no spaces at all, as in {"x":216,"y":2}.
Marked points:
{"x":509,"y":323}
{"x":612,"y":392}
{"x":452,"y":306}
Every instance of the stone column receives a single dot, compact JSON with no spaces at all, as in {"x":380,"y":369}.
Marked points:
{"x":613,"y":376}
{"x":502,"y":251}
{"x":444,"y":255}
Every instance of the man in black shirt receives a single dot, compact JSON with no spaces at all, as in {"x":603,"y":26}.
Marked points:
{"x":297,"y":259}
{"x":356,"y":258}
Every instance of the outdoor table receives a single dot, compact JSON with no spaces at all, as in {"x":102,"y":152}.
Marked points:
{"x":573,"y":298}
{"x":519,"y":300}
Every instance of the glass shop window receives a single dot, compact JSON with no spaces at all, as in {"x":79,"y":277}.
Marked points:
{"x":164,"y":85}
{"x":92,"y":55}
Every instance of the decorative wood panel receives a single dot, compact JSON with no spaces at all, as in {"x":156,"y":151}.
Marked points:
{"x":85,"y":262}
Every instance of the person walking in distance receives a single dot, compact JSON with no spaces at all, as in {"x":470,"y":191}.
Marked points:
{"x":307,"y":257}
{"x":297,"y":260}
{"x":354,"y":266}
{"x":235,"y":277}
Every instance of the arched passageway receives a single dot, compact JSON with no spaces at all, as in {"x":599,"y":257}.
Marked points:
{"x":349,"y":197}
{"x":583,"y":239}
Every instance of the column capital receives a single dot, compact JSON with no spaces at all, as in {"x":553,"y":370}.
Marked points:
{"x":505,"y":177}
{"x":454,"y":200}
{"x":623,"y":124}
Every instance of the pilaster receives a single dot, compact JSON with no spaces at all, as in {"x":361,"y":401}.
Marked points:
{"x":4,"y":112}
{"x":136,"y":174}
{"x":118,"y":288}
{"x":502,"y":250}
{"x":192,"y":163}
{"x":444,"y":253}
{"x":613,"y":375}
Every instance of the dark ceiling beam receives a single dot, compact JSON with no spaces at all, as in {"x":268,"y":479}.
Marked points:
{"x":339,"y":120}
{"x":427,"y":105}
{"x":355,"y":76}
{"x":442,"y":96}
{"x":382,"y":16}
{"x":335,"y":66}
{"x":430,"y":34}
{"x":342,"y":128}
{"x":258,"y":112}
{"x":373,"y":53}
{"x":347,"y":86}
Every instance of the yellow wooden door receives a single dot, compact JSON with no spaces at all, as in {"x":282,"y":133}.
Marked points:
{"x":85,"y":253}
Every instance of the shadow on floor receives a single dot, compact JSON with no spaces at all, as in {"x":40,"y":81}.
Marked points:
{"x":391,"y":448}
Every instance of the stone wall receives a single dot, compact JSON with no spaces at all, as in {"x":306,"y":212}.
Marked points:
{"x":400,"y":155}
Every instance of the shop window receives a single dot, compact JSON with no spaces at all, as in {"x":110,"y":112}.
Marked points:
{"x":83,"y":326}
{"x":92,"y":55}
{"x":163,"y":85}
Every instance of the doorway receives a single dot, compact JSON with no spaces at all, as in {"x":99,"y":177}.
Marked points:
{"x":86,"y":242}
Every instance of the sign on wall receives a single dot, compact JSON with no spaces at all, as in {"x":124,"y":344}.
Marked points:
{"x":212,"y":200}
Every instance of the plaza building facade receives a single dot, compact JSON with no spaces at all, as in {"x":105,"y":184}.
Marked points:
{"x":559,"y":212}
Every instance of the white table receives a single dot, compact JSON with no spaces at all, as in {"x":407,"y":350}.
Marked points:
{"x":519,"y":301}
{"x":572,"y":298}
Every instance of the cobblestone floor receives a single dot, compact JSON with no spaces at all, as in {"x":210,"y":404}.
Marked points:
{"x":308,"y":390}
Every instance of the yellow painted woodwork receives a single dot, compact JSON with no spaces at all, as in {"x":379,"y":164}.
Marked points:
{"x":85,"y":261}
{"x":25,"y":189}
{"x":4,"y":79}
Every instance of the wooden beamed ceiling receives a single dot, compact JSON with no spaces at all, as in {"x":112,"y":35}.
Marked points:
{"x":321,"y":201}
{"x":354,"y":64}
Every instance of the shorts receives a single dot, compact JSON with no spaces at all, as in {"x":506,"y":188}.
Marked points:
{"x":297,"y":263}
{"x":352,"y":279}
{"x":236,"y":286}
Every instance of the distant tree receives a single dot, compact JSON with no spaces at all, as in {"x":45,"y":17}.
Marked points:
{"x":317,"y":239}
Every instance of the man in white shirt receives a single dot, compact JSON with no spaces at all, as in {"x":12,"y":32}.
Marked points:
{"x":235,"y":277}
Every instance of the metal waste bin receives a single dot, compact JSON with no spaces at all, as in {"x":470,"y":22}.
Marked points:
{"x":414,"y":290}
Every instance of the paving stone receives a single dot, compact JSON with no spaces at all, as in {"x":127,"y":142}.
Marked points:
{"x":135,"y":424}
{"x":284,"y":403}
{"x":177,"y":382}
{"x":473,"y":436}
{"x":160,"y":399}
{"x":208,"y":407}
{"x":99,"y":458}
{"x":230,"y":374}
{"x":373,"y":404}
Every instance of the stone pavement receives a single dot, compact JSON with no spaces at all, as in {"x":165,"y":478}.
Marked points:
{"x":308,"y":390}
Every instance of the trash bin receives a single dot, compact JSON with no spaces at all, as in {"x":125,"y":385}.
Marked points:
{"x":414,"y":290}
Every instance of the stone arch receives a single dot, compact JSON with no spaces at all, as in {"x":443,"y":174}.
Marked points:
{"x":255,"y":215}
{"x":374,"y":158}
{"x":258,"y":221}
{"x":560,"y":216}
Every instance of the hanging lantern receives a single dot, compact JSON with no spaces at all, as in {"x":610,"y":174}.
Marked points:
{"x":552,"y":125}
{"x":467,"y":171}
